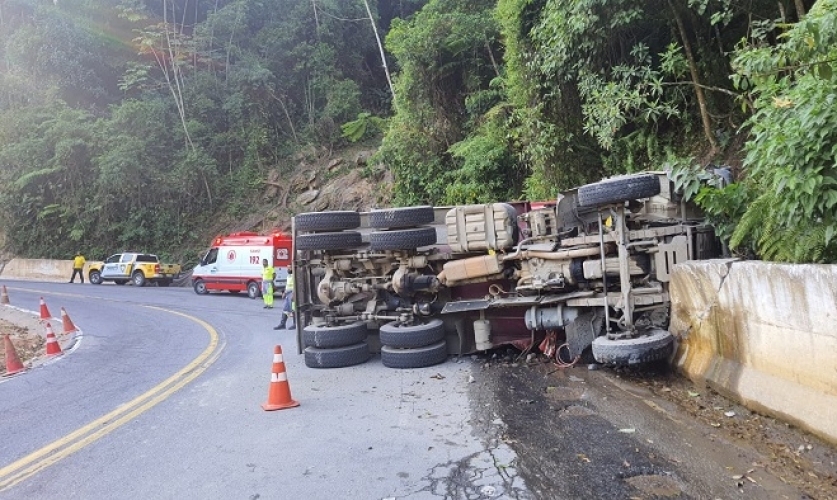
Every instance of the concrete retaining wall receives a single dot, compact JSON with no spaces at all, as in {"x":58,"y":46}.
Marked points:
{"x":39,"y":270}
{"x":764,"y":334}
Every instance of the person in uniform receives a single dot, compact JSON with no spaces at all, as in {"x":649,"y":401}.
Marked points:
{"x":78,"y":267}
{"x":268,"y":273}
{"x":287,"y":301}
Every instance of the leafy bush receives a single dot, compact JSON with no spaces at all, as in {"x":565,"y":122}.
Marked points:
{"x":792,"y":157}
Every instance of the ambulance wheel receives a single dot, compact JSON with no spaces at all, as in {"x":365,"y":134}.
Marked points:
{"x":253,"y":290}
{"x":394,"y":218}
{"x":334,"y":336}
{"x":200,"y":287}
{"x":404,"y":239}
{"x":338,"y":357}
{"x":618,"y":189}
{"x":412,"y":336}
{"x":328,"y":241}
{"x":414,"y":358}
{"x":336,"y":220}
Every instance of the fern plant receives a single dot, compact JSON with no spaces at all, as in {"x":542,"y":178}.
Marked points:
{"x":790,"y":159}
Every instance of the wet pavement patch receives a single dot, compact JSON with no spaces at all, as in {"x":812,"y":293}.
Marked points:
{"x":654,"y":486}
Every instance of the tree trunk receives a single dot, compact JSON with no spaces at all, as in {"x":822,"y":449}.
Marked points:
{"x":800,"y":9}
{"x":693,"y":69}
{"x":380,"y":49}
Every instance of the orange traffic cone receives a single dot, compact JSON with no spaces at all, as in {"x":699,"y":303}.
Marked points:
{"x":279,"y":394}
{"x":13,"y":364}
{"x":4,"y":296}
{"x":44,"y":311}
{"x":52,"y":347}
{"x":68,"y":323}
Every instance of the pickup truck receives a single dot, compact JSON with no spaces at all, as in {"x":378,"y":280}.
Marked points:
{"x":585,"y":275}
{"x":138,"y":268}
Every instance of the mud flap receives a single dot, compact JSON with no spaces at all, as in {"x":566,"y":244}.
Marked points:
{"x":582,"y":331}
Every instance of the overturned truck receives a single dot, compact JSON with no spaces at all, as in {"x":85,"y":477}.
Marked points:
{"x":584,"y":276}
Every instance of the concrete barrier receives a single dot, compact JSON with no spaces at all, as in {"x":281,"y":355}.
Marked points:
{"x":763,"y":334}
{"x":39,"y":270}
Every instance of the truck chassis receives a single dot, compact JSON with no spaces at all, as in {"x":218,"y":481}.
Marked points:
{"x":585,"y":276}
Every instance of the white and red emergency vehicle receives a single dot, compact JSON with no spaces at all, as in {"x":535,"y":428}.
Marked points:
{"x":234,"y":263}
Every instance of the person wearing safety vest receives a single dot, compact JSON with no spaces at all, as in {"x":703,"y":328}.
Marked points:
{"x":287,"y":301}
{"x":78,"y":268}
{"x":267,"y":284}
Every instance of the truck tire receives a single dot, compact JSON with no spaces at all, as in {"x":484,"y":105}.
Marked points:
{"x":338,"y":357}
{"x":334,"y":336}
{"x":95,"y":277}
{"x":414,"y":358}
{"x":412,"y":336}
{"x":200,"y":287}
{"x":619,"y":189}
{"x":337,"y":220}
{"x":254,"y":290}
{"x":404,"y":239}
{"x":138,"y":278}
{"x":328,"y":241}
{"x":394,"y":218}
{"x":657,"y":345}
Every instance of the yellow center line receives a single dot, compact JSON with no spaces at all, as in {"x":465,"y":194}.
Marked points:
{"x":59,"y":449}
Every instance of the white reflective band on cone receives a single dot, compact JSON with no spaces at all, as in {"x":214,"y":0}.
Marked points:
{"x":277,"y":358}
{"x":279,"y":377}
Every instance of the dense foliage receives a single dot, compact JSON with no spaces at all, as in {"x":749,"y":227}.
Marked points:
{"x":133,"y":125}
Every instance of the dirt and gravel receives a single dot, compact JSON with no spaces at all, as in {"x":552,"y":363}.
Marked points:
{"x":28,"y":335}
{"x":644,"y":434}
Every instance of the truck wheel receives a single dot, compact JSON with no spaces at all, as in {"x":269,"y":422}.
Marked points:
{"x":328,"y":241}
{"x":200,"y":287}
{"x":337,"y":220}
{"x":120,"y":282}
{"x":138,"y":278}
{"x":253,"y":290}
{"x":657,"y":345}
{"x":412,"y":336}
{"x":619,"y":189}
{"x":394,"y":218}
{"x":404,"y":239}
{"x":414,"y":358}
{"x":95,"y":277}
{"x":338,"y":357}
{"x":334,"y":336}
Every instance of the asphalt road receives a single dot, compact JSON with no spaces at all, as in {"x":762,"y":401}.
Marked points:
{"x":161,"y":399}
{"x":359,"y":432}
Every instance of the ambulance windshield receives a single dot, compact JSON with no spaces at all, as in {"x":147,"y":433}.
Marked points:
{"x":210,"y":257}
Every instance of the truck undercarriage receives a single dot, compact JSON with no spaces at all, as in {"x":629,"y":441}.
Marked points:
{"x":588,"y":272}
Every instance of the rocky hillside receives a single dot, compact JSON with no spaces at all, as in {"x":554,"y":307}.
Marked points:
{"x":320,"y":180}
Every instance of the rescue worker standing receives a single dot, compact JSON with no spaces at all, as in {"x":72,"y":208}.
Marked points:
{"x":267,"y":284}
{"x":78,"y":268}
{"x":287,"y":300}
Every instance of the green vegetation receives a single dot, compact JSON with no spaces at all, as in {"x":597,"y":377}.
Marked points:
{"x":135,"y":126}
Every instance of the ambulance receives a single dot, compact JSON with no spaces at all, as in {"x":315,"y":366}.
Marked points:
{"x":234,"y":263}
